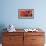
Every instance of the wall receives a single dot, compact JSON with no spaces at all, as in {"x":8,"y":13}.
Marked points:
{"x":9,"y":13}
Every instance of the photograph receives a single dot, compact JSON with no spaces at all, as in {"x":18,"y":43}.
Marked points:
{"x":26,"y":13}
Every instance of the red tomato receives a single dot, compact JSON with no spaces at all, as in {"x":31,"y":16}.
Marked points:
{"x":22,"y":13}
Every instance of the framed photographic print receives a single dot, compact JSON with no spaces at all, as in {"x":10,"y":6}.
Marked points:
{"x":26,"y":13}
